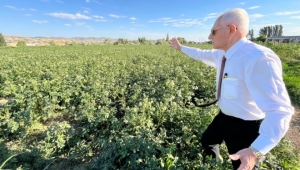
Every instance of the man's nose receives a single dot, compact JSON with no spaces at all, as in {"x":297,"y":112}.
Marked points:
{"x":210,"y":36}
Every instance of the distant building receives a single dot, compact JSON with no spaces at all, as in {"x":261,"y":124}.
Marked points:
{"x":284,"y":39}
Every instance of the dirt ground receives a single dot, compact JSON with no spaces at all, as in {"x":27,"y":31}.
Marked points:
{"x":294,"y":130}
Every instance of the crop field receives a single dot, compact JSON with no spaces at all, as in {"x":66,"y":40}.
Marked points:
{"x":116,"y":107}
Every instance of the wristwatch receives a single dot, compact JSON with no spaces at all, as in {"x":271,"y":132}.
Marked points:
{"x":260,"y":157}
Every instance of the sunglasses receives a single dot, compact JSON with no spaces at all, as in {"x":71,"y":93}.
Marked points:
{"x":213,"y":31}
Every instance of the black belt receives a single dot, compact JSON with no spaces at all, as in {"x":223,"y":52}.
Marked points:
{"x":232,"y":117}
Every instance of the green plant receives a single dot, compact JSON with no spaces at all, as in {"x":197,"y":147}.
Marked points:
{"x":21,"y":44}
{"x":2,"y":40}
{"x":109,"y":107}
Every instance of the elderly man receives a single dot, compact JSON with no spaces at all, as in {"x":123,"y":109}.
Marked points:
{"x":255,"y":109}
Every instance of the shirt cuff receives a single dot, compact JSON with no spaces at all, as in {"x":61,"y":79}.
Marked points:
{"x":263,"y":144}
{"x":184,"y":48}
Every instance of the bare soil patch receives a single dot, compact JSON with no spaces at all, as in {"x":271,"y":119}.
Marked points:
{"x":293,"y":133}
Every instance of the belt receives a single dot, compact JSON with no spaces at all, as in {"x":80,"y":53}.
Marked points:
{"x":235,"y":118}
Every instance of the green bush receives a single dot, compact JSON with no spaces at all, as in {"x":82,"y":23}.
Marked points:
{"x":2,"y":40}
{"x":21,"y":44}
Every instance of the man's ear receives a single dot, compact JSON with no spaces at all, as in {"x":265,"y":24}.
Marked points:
{"x":232,"y":28}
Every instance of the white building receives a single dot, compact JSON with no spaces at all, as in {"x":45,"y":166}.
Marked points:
{"x":284,"y":39}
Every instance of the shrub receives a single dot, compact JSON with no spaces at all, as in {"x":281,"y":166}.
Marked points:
{"x":21,"y":44}
{"x":2,"y":40}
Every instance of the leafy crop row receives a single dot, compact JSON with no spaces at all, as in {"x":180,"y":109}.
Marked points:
{"x":107,"y":107}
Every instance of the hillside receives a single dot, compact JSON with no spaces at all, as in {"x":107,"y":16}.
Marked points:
{"x":44,"y":41}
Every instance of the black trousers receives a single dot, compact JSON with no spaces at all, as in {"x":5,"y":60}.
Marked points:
{"x":237,"y":134}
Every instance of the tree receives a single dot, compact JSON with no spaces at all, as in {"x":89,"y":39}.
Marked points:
{"x":263,"y":31}
{"x":21,"y":44}
{"x":107,"y":41}
{"x":2,"y":40}
{"x":161,"y":41}
{"x":167,"y":39}
{"x":280,"y":30}
{"x":269,"y":31}
{"x":121,"y":41}
{"x":142,"y":40}
{"x":261,"y":38}
{"x":251,"y":35}
{"x":181,"y":40}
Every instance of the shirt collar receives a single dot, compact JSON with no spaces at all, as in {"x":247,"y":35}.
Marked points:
{"x":235,"y":47}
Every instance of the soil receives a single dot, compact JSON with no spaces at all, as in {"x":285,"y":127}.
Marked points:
{"x":294,"y":130}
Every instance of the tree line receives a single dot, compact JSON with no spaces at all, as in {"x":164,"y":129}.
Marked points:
{"x":264,"y":32}
{"x":268,"y":31}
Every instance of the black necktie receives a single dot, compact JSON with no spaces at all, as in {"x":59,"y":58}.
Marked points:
{"x":219,"y":85}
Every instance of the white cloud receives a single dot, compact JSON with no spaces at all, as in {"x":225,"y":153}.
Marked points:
{"x":11,"y":7}
{"x":243,"y":3}
{"x":60,"y":1}
{"x":295,"y":17}
{"x":212,"y":14}
{"x":161,"y":20}
{"x":97,"y":16}
{"x":97,"y":2}
{"x":254,"y":7}
{"x":132,"y":18}
{"x":100,"y":20}
{"x":86,"y":11}
{"x":209,"y":17}
{"x":254,"y":16}
{"x":69,"y":16}
{"x":32,"y":9}
{"x":116,"y":16}
{"x":87,"y":1}
{"x":68,"y":25}
{"x":178,"y":22}
{"x":287,"y":13}
{"x":40,"y":22}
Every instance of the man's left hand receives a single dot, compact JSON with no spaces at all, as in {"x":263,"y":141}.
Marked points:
{"x":247,"y":157}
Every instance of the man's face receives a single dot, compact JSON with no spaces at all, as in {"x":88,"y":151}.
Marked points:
{"x":219,"y":36}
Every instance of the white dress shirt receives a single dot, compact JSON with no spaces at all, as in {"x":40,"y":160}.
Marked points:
{"x":253,"y":89}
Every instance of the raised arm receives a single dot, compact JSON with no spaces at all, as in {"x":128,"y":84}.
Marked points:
{"x":174,"y":43}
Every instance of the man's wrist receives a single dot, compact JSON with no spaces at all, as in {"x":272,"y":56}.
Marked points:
{"x":180,"y":47}
{"x":260,"y":157}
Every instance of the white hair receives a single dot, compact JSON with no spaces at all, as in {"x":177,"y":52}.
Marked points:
{"x":238,"y":17}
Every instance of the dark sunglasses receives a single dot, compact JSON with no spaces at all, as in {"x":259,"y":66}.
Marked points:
{"x":213,"y":31}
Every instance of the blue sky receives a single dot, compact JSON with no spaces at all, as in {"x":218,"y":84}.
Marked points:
{"x":131,"y":19}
